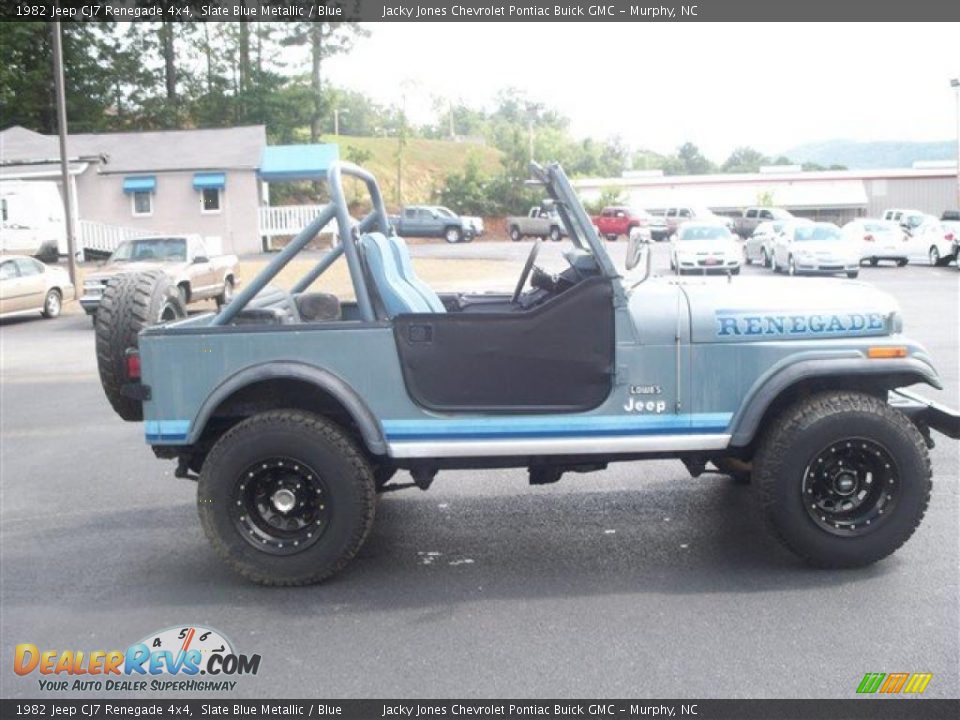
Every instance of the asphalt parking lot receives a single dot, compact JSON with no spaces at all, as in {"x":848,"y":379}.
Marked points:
{"x":636,"y":581}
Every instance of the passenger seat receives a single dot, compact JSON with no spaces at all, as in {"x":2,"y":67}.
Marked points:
{"x":396,"y":294}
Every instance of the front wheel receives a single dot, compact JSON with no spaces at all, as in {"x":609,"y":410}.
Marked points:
{"x":515,"y":234}
{"x":766,"y":258}
{"x":52,"y":304}
{"x":842,"y":479}
{"x":555,"y":234}
{"x":791,"y":266}
{"x":902,"y":262}
{"x":453,"y":235}
{"x":286,"y":498}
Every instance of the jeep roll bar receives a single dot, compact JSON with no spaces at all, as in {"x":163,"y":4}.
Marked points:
{"x":337,"y":210}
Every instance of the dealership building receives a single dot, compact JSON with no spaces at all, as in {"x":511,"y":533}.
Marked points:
{"x":832,"y":195}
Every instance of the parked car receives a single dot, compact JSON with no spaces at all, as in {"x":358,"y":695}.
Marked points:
{"x":291,"y":430}
{"x":659,"y":229}
{"x":879,"y":240}
{"x":908,"y":219}
{"x":935,"y":237}
{"x":539,"y":222}
{"x":432,"y":221}
{"x":29,"y":286}
{"x":814,"y":248}
{"x":472,"y":221}
{"x":951,"y":215}
{"x":31,"y":219}
{"x":746,"y":224}
{"x":185,"y":259}
{"x":702,"y":247}
{"x":614,"y":221}
{"x":759,"y":246}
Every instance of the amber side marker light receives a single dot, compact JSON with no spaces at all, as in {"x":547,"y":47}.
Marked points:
{"x":883,"y":353}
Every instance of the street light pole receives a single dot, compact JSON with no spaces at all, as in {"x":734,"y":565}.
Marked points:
{"x":955,"y":84}
{"x":64,"y":164}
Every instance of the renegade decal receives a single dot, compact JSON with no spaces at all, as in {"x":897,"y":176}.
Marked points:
{"x":747,"y":323}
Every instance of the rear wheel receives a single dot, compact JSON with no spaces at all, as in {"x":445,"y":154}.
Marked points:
{"x":130,"y":303}
{"x":842,"y":479}
{"x":52,"y":304}
{"x":286,"y":498}
{"x":902,"y":262}
{"x":934,"y":256}
{"x":766,"y":258}
{"x":874,"y":261}
{"x":853,"y":274}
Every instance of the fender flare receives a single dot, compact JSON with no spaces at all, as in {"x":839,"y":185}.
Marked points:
{"x":325,"y":380}
{"x":746,"y":421}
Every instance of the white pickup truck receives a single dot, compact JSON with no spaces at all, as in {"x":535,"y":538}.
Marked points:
{"x":185,"y":259}
{"x":538,"y":222}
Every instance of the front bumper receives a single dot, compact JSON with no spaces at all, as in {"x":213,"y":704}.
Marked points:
{"x":708,"y":264}
{"x":825,"y":267}
{"x":926,"y":412}
{"x":90,"y":300}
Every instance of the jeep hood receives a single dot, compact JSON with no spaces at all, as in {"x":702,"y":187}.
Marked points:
{"x":118,"y":268}
{"x":778,"y":309}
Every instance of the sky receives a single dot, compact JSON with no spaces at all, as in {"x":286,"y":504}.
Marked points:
{"x":771,"y":86}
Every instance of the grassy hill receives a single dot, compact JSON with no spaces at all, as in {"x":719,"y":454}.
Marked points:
{"x":426,"y":163}
{"x":871,"y":155}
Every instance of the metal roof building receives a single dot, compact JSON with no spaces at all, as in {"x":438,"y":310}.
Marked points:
{"x":836,"y":195}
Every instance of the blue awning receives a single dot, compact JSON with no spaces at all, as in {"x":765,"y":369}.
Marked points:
{"x":297,"y":162}
{"x":211,"y":180}
{"x":139,"y":183}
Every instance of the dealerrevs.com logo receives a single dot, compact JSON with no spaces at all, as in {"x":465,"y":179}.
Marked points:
{"x":169,"y":660}
{"x":894,"y":683}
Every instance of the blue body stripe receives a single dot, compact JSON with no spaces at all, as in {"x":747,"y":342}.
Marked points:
{"x":549,"y":427}
{"x":166,"y":430}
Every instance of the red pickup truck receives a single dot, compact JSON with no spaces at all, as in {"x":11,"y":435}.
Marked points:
{"x":617,"y":220}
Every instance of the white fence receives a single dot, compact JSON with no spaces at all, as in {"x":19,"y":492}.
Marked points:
{"x":104,"y":238}
{"x":289,"y":219}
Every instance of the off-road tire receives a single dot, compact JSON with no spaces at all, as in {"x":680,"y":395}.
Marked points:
{"x":325,"y":448}
{"x":798,"y":435}
{"x":130,"y":303}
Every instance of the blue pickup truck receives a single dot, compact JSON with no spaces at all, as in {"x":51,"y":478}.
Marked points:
{"x":293,"y":408}
{"x":433,"y":221}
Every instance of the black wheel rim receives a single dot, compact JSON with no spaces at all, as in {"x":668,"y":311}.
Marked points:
{"x":281,"y":506}
{"x":851,"y":487}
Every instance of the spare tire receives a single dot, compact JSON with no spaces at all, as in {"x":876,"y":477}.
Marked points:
{"x":130,"y":303}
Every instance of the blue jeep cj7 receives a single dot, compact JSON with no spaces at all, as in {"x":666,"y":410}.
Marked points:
{"x":295,"y":408}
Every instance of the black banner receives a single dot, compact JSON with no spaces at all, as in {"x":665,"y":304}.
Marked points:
{"x":482,"y":10}
{"x":854,"y":709}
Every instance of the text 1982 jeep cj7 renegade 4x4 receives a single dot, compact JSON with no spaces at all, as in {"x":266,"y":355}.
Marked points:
{"x":295,"y":409}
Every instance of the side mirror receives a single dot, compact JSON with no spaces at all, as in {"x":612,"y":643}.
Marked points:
{"x":638,"y":250}
{"x":199,"y":259}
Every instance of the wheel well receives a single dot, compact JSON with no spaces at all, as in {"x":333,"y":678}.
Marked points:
{"x":271,"y":394}
{"x":185,"y":286}
{"x":876,"y":385}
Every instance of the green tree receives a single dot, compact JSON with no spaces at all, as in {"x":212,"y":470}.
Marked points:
{"x":744,"y":160}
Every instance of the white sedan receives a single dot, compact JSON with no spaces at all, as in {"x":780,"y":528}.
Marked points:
{"x":29,"y":286}
{"x":817,"y":248}
{"x":703,"y":247}
{"x":935,"y":238}
{"x":879,"y":240}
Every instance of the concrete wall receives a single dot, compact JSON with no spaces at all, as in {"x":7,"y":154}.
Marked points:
{"x":929,"y":195}
{"x":176,"y":207}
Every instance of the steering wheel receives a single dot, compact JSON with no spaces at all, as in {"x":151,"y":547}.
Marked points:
{"x":527,"y":268}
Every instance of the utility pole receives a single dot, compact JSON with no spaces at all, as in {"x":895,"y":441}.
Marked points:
{"x":64,"y":164}
{"x":955,"y":84}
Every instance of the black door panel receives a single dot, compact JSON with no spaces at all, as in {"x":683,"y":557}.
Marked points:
{"x":558,"y":357}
